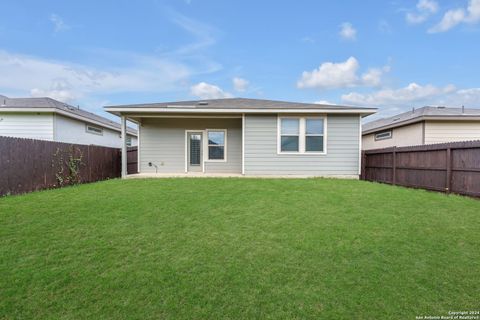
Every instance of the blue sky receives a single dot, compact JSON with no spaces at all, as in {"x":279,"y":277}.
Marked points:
{"x":394,"y":55}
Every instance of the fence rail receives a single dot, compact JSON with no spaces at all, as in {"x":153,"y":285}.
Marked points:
{"x":28,"y":165}
{"x":448,"y":167}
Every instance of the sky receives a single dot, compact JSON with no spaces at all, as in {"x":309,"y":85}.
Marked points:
{"x":393,"y":55}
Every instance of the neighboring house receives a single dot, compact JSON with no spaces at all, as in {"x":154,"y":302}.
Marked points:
{"x":247,"y":136}
{"x":425,"y":125}
{"x":49,"y":119}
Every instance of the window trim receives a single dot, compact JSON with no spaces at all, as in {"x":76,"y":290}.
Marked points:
{"x":302,"y":135}
{"x":383,"y":138}
{"x":207,"y":145}
{"x":87,"y":126}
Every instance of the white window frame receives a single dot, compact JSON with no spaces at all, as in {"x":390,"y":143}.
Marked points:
{"x":302,"y":135}
{"x":88,"y":126}
{"x":207,"y":145}
{"x":390,"y":135}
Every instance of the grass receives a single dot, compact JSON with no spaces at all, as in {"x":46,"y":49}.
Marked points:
{"x":237,"y":249}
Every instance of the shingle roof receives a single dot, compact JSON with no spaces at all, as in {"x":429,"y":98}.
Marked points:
{"x":40,"y":103}
{"x":419,"y":115}
{"x":239,"y":103}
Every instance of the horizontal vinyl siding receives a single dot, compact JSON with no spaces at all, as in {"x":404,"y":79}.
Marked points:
{"x":27,"y":125}
{"x":162,"y":142}
{"x":451,"y":131}
{"x":342,"y":156}
{"x":410,"y":135}
{"x":75,"y":131}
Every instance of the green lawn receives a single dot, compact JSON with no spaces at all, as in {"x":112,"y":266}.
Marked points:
{"x":237,"y":249}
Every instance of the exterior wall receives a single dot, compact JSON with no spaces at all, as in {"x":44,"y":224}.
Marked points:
{"x":74,"y":131}
{"x":342,"y":158}
{"x":409,"y":135}
{"x":450,"y":131}
{"x":27,"y":125}
{"x":162,"y":142}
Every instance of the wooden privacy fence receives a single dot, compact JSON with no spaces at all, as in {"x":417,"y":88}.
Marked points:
{"x":132,"y":159}
{"x":28,"y":165}
{"x":449,"y":167}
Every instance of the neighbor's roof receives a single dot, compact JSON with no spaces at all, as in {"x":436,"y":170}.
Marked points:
{"x":421,"y":114}
{"x":235,"y":105}
{"x":52,"y":105}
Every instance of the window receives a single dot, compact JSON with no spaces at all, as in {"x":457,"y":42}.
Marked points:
{"x":383,"y":135}
{"x":302,"y":135}
{"x":216,"y":144}
{"x":290,"y":135}
{"x":94,"y":130}
{"x":313,"y":135}
{"x":129,"y":141}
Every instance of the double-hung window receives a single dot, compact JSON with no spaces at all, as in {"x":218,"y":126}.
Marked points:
{"x":216,"y":144}
{"x":290,"y":134}
{"x":314,"y":135}
{"x":302,"y":135}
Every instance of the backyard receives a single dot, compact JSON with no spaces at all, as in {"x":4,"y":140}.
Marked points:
{"x":238,"y":248}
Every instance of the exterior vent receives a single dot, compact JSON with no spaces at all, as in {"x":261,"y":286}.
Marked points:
{"x":395,"y":119}
{"x":203,"y":103}
{"x":441,"y":107}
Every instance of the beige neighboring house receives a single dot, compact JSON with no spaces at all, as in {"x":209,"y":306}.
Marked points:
{"x":427,"y":125}
{"x":52,"y":120}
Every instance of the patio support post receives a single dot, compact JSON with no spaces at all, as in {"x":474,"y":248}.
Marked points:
{"x":124,"y":146}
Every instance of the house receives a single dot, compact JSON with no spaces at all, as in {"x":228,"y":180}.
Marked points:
{"x":425,"y":125}
{"x":49,"y":119}
{"x":246,"y":137}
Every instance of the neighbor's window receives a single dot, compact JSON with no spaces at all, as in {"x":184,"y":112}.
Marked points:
{"x":302,"y":135}
{"x":216,"y":144}
{"x":290,"y":134}
{"x":94,"y":130}
{"x":383,"y":135}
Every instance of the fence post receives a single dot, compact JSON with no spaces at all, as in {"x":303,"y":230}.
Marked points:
{"x":448,"y":186}
{"x":394,"y":166}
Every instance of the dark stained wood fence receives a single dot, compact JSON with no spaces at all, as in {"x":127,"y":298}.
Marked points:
{"x":27,"y":165}
{"x":449,"y":167}
{"x":132,"y":159}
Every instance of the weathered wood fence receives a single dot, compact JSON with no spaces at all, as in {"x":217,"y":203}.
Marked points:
{"x":28,"y":165}
{"x":449,"y":167}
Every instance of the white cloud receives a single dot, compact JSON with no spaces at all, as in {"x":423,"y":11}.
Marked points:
{"x":373,"y":77}
{"x":240,"y":84}
{"x":325,"y":102}
{"x":347,"y":31}
{"x":205,"y":90}
{"x":427,"y":5}
{"x":332,"y":75}
{"x":415,"y":18}
{"x":58,"y":23}
{"x":61,"y":93}
{"x":70,"y":81}
{"x":454,"y":17}
{"x":449,"y":20}
{"x":406,"y":96}
{"x":425,"y":8}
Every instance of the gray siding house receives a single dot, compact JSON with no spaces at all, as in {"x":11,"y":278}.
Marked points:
{"x":52,"y":120}
{"x":248,"y":137}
